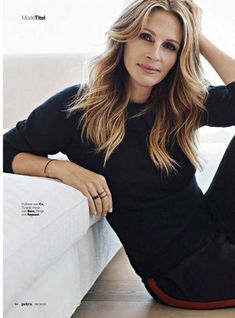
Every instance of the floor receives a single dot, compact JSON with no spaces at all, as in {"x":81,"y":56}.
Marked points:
{"x":119,"y":293}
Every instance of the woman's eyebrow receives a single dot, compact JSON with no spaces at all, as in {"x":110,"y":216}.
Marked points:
{"x":155,"y":35}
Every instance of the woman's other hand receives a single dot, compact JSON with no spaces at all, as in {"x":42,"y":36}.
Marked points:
{"x":196,"y":12}
{"x":91,"y":184}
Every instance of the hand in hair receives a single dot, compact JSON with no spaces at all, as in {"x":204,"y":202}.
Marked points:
{"x":196,"y":12}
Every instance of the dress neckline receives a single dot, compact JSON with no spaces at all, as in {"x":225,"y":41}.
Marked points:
{"x":134,"y":107}
{"x":136,"y":104}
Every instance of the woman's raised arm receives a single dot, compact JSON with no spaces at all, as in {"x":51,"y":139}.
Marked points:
{"x":222,"y":63}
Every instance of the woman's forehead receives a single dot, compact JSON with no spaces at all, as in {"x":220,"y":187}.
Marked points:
{"x":165,"y":24}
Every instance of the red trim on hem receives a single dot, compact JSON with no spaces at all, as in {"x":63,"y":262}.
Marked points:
{"x":185,"y":303}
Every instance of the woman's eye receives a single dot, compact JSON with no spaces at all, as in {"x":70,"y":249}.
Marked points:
{"x":170,"y":46}
{"x":148,"y":37}
{"x":145,"y":36}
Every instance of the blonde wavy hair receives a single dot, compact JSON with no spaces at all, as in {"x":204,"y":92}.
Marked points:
{"x":181,"y":94}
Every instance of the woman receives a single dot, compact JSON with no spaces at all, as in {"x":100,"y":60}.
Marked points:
{"x":130,"y":136}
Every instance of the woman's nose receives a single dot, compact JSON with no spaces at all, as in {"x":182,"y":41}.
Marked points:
{"x":154,"y":53}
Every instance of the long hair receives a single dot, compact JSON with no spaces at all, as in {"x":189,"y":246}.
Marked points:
{"x":180,"y":95}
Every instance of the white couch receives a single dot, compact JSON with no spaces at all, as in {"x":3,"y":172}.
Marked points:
{"x":54,"y":255}
{"x":53,"y":249}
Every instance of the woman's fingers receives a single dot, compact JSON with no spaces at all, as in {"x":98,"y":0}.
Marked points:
{"x":92,"y":207}
{"x":92,"y":185}
{"x":94,"y":194}
{"x":106,"y":189}
{"x":102,"y":201}
{"x":105,"y":202}
{"x":196,"y":12}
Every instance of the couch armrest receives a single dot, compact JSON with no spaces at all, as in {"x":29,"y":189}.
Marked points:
{"x":42,"y":219}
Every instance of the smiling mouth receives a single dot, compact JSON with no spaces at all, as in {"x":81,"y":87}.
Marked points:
{"x":148,"y":70}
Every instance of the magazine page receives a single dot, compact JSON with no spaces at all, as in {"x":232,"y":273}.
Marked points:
{"x":116,"y":117}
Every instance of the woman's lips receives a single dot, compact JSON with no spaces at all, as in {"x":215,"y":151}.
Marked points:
{"x":148,"y":69}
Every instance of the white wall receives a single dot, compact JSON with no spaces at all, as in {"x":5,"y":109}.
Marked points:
{"x":71,"y":26}
{"x":219,"y":26}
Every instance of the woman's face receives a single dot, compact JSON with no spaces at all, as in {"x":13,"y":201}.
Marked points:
{"x":156,"y":46}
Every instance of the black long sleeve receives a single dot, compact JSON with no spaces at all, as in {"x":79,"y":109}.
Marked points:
{"x":220,"y":105}
{"x":46,"y":131}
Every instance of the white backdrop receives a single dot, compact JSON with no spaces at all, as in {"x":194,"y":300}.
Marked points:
{"x":71,"y":26}
{"x":79,"y":26}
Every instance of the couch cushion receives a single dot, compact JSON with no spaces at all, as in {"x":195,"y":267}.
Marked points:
{"x":212,"y":145}
{"x":42,"y":219}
